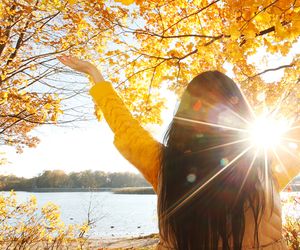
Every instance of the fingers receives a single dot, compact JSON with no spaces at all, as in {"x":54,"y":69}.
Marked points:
{"x":75,"y":63}
{"x":66,"y":60}
{"x":70,"y":61}
{"x":63,"y":58}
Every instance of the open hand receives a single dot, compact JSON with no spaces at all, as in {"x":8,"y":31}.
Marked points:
{"x":77,"y":64}
{"x":81,"y":66}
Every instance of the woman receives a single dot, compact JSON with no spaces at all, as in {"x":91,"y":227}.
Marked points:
{"x":214,"y":191}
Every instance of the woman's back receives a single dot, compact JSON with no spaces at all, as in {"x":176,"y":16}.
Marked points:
{"x":269,"y":229}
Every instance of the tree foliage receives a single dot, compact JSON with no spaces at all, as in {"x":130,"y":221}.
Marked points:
{"x":164,"y":44}
{"x":84,"y":179}
{"x":32,"y":33}
{"x":153,"y":46}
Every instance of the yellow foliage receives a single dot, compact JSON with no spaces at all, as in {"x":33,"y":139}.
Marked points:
{"x":72,"y":1}
{"x":31,"y":35}
{"x":44,"y":228}
{"x":152,"y":46}
{"x":176,"y":41}
{"x":126,"y":2}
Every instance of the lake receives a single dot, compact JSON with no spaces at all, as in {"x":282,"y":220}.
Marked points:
{"x":117,"y":215}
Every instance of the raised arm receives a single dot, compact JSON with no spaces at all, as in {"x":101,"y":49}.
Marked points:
{"x":133,"y":142}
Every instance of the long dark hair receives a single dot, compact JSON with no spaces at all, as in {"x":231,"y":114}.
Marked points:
{"x":209,"y":177}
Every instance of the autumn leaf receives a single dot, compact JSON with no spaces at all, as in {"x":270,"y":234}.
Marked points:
{"x":126,"y":2}
{"x":72,"y":1}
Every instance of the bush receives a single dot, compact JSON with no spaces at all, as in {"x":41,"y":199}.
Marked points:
{"x":291,"y":220}
{"x":23,"y":226}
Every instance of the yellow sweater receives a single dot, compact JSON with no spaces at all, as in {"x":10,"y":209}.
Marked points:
{"x":141,"y":149}
{"x":133,"y":142}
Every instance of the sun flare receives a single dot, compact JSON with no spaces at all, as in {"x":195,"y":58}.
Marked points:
{"x":267,"y":132}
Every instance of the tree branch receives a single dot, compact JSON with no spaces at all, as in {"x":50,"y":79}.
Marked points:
{"x":192,"y":14}
{"x":269,"y":70}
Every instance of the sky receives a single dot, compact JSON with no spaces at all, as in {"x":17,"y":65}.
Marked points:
{"x":90,"y":145}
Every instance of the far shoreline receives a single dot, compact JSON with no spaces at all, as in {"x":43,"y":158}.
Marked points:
{"x":123,"y":190}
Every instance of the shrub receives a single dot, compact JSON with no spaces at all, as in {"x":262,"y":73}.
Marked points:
{"x":24,"y":226}
{"x":291,"y":220}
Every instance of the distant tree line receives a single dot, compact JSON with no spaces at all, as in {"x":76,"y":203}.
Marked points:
{"x":84,"y":179}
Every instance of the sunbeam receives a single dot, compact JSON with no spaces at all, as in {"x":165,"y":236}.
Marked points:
{"x":248,"y":104}
{"x":190,"y":195}
{"x":246,"y":176}
{"x":289,"y":152}
{"x":279,"y":103}
{"x":220,"y":146}
{"x":281,"y":165}
{"x":295,"y":127}
{"x":290,"y":139}
{"x":209,"y":124}
{"x":266,"y":174}
{"x":239,"y":116}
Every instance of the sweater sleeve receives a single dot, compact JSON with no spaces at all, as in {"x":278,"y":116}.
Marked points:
{"x":133,"y":142}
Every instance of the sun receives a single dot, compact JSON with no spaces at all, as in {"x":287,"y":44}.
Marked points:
{"x":266,"y":132}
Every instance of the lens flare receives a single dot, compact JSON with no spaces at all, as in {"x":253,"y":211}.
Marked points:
{"x":277,"y":138}
{"x":267,"y":132}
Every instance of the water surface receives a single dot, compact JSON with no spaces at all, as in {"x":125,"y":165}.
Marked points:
{"x":118,"y":214}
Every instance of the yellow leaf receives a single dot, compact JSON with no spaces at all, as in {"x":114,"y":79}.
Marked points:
{"x":190,"y":46}
{"x":250,"y":33}
{"x":72,"y":1}
{"x":178,"y":45}
{"x":234,"y":32}
{"x":48,"y":106}
{"x":280,"y":30}
{"x":59,"y":111}
{"x":126,"y":2}
{"x":263,"y":17}
{"x":297,"y":9}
